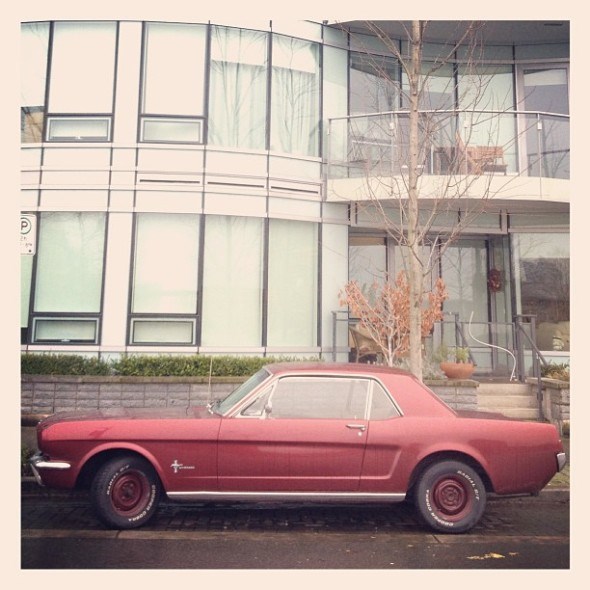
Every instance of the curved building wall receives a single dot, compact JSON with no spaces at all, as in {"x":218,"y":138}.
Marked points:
{"x":176,"y":174}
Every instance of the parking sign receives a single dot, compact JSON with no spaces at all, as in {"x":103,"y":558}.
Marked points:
{"x":28,"y":234}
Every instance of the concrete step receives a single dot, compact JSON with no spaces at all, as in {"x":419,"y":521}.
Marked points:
{"x":514,"y":400}
{"x":506,"y":401}
{"x":504,"y":389}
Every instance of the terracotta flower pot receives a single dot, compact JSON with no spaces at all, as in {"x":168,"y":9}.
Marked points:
{"x":457,"y":370}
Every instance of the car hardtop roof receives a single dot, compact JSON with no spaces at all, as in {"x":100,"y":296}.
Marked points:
{"x":330,"y":367}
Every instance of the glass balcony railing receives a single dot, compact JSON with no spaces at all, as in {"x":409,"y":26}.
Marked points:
{"x":522,"y":143}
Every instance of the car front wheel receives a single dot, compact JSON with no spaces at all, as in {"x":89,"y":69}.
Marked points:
{"x":450,"y":497}
{"x":125,"y":492}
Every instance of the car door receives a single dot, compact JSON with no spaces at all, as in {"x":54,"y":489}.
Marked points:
{"x":303,"y":434}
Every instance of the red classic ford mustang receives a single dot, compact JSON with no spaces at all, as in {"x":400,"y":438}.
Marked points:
{"x":301,"y":432}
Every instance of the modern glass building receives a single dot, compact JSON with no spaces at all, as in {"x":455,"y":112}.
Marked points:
{"x":192,"y":187}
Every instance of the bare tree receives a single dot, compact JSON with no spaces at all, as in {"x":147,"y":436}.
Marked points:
{"x":460,"y":145}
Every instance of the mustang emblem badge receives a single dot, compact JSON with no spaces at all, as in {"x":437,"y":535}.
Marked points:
{"x":177,"y":466}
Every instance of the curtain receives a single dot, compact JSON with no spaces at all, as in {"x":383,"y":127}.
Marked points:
{"x":237,"y":104}
{"x":292,"y":283}
{"x":295,"y":97}
{"x":165,"y":273}
{"x":232,"y":282}
{"x":70,"y":262}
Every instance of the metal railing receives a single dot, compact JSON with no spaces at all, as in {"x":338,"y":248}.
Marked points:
{"x":534,"y":144}
{"x":498,"y":350}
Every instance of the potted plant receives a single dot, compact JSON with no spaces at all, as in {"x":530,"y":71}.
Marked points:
{"x":455,"y":362}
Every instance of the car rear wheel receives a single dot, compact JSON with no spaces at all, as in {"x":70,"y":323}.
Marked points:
{"x":125,"y":492}
{"x":450,"y":497}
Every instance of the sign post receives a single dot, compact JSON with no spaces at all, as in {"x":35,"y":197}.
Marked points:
{"x":28,"y":234}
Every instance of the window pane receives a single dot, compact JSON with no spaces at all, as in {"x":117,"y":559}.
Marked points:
{"x":237,"y":104}
{"x":172,"y":130}
{"x":33,"y":70}
{"x":82,"y":67}
{"x":292,"y":283}
{"x":232,"y":282}
{"x":490,"y":88}
{"x":374,"y":85}
{"x":68,"y":129}
{"x":295,"y":96}
{"x":542,"y":271}
{"x":382,"y":407}
{"x":69,"y":262}
{"x":165,"y":279}
{"x":367,"y":260}
{"x":464,"y":270}
{"x":329,"y":398}
{"x":65,"y":330}
{"x":163,"y":331}
{"x":174,"y":70}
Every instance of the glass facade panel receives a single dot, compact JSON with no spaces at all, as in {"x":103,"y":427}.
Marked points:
{"x":69,"y":262}
{"x":232,"y":281}
{"x":547,"y":138}
{"x":367,"y":260}
{"x":295,"y":98}
{"x":292,"y":283}
{"x":374,"y":84}
{"x":166,"y":262}
{"x":82,"y":67}
{"x":542,"y":282}
{"x":464,"y":271}
{"x":33,"y":75}
{"x":489,"y":88}
{"x":238,"y":88}
{"x":174,"y":75}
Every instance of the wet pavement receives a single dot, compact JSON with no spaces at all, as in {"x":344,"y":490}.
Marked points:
{"x":61,"y":532}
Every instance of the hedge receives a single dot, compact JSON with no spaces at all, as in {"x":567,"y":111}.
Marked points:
{"x":146,"y":365}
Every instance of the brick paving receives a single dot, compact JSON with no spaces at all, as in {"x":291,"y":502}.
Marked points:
{"x":547,"y":514}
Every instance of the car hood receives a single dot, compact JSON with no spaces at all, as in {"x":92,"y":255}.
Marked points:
{"x":125,"y":414}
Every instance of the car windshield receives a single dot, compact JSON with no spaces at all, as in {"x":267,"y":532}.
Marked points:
{"x":241,"y":392}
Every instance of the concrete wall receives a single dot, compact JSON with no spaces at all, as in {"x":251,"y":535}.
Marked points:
{"x":47,"y":394}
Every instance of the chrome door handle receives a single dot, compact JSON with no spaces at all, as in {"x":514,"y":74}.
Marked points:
{"x":360,"y":427}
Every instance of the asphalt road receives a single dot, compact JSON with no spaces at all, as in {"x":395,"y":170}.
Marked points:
{"x":62,"y":533}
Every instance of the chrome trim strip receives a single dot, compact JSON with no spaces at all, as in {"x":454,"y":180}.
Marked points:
{"x":38,"y":461}
{"x":561,"y":461}
{"x":287,"y":496}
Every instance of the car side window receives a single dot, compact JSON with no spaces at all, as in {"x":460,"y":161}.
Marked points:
{"x":382,"y":406}
{"x":319,"y":397}
{"x":255,"y":409}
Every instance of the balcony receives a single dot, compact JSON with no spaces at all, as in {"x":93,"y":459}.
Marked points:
{"x":472,"y":146}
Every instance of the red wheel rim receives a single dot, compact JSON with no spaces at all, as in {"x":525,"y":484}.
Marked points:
{"x":130,"y":493}
{"x":452,"y":498}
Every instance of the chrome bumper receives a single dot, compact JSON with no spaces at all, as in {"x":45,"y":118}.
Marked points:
{"x":39,"y":461}
{"x":561,"y":461}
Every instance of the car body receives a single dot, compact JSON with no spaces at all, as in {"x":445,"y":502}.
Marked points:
{"x":319,"y":432}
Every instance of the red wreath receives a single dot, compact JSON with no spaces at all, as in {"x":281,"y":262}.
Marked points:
{"x":495,"y":280}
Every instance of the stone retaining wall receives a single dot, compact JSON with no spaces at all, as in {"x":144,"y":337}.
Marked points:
{"x":556,"y":401}
{"x":47,"y":394}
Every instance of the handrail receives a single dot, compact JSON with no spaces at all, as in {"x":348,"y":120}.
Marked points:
{"x":537,"y":355}
{"x":450,"y":112}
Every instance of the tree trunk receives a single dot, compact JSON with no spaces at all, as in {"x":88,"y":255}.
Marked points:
{"x":415,"y":265}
